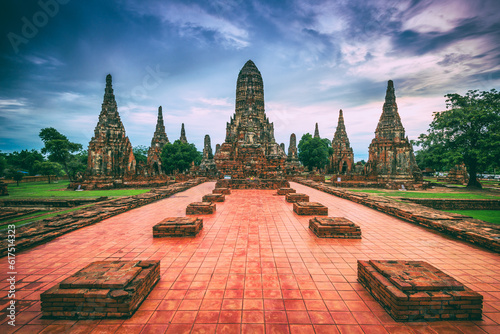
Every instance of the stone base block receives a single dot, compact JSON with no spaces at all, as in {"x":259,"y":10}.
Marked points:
{"x":200,"y":208}
{"x":417,"y":291}
{"x":310,"y":209}
{"x":214,"y":198}
{"x":225,"y":191}
{"x":296,"y":197}
{"x":103,"y":289}
{"x":334,"y":227}
{"x":254,"y":183}
{"x":177,"y":227}
{"x":284,"y":191}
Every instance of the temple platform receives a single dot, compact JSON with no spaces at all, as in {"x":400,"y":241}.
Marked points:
{"x":214,"y":198}
{"x":103,"y":289}
{"x":417,"y":291}
{"x":334,"y":227}
{"x":284,"y":191}
{"x":310,"y":209}
{"x":252,"y":183}
{"x":296,"y":197}
{"x":178,"y":227}
{"x":200,"y":208}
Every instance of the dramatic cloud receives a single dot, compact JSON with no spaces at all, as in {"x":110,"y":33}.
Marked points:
{"x":316,"y":57}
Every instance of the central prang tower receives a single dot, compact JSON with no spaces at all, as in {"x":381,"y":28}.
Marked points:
{"x":250,"y":149}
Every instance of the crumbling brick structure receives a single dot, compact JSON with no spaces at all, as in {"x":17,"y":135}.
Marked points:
{"x":250,"y":149}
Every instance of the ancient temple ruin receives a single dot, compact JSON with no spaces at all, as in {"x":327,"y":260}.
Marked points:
{"x":207,"y":165}
{"x":110,"y":151}
{"x":183,"y":138}
{"x":292,"y":164}
{"x":391,"y":157}
{"x":157,"y":142}
{"x":250,"y":149}
{"x":316,"y":131}
{"x":342,"y":159}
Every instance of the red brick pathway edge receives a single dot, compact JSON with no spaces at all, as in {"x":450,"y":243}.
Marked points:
{"x":42,"y":231}
{"x":475,"y":231}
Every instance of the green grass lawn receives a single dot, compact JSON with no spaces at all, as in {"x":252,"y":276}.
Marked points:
{"x":490,"y":216}
{"x":422,"y":194}
{"x":59,"y":190}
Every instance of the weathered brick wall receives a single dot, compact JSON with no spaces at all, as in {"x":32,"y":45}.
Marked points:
{"x":456,"y":204}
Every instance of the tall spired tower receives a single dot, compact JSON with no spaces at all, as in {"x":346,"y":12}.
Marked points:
{"x":157,"y":142}
{"x":391,"y":156}
{"x":250,"y":149}
{"x":110,"y":151}
{"x":342,"y":159}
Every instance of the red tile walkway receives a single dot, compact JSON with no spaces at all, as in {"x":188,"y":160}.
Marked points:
{"x":255,"y":268}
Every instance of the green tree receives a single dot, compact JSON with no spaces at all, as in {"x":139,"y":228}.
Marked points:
{"x":59,"y":148}
{"x":314,"y":152}
{"x":3,"y":164}
{"x":179,"y":156}
{"x":140,"y":154}
{"x":48,"y":168}
{"x":15,"y":175}
{"x":468,"y":131}
{"x":24,"y":160}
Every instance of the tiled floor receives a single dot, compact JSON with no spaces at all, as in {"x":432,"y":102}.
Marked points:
{"x":254,"y":268}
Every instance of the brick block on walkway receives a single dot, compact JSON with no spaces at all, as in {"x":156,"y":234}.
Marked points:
{"x":284,"y":191}
{"x":214,"y":198}
{"x":310,"y":209}
{"x":200,"y":208}
{"x":296,"y":197}
{"x":417,"y":291}
{"x":225,"y":191}
{"x":178,"y":227}
{"x":103,"y":289}
{"x":334,"y":227}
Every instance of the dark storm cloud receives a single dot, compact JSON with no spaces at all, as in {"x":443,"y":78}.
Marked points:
{"x":315,"y":57}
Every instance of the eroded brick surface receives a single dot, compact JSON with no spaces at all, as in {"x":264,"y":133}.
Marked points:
{"x":225,"y":191}
{"x":200,"y":208}
{"x":103,"y":289}
{"x":334,"y":227}
{"x":214,"y":198}
{"x":417,"y":291}
{"x":284,"y":191}
{"x":310,"y":209}
{"x":296,"y":197}
{"x":177,"y":227}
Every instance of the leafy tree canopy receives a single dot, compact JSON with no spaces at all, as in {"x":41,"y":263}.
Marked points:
{"x":59,"y":148}
{"x":468,"y":131}
{"x":314,"y":152}
{"x":140,"y":153}
{"x":48,"y":168}
{"x":24,"y":160}
{"x":178,"y":156}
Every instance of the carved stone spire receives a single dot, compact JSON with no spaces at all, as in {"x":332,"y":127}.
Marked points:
{"x":342,"y":159}
{"x":183,"y":138}
{"x":207,"y":165}
{"x":110,"y":151}
{"x":250,"y":149}
{"x":157,"y":142}
{"x":316,"y":131}
{"x":389,"y":125}
{"x":391,"y":154}
{"x":292,"y":164}
{"x":207,"y":148}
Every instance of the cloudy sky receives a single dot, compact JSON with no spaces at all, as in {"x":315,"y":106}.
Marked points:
{"x":316,"y":57}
